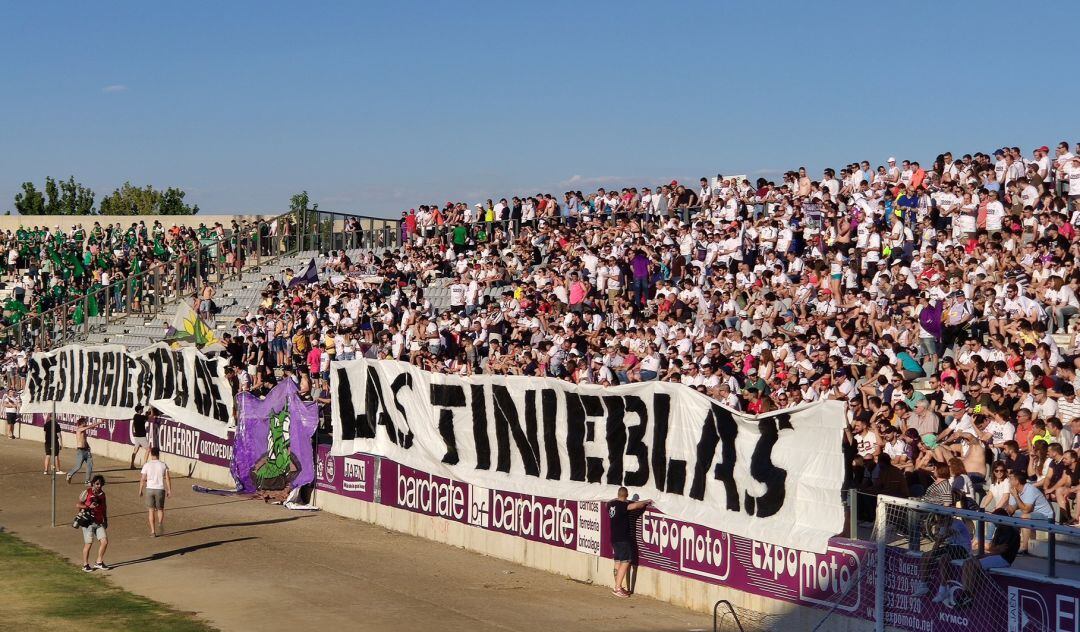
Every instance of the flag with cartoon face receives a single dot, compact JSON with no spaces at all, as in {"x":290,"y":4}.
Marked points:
{"x":273,"y":440}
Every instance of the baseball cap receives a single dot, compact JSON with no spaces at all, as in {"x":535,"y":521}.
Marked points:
{"x":1043,"y":149}
{"x":892,"y":159}
{"x":999,"y":153}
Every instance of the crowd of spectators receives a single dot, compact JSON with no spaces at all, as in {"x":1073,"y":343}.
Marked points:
{"x":925,"y":297}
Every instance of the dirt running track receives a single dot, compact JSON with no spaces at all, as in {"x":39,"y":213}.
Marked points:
{"x":245,"y":565}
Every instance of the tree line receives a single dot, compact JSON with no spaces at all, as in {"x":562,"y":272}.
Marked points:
{"x":68,"y":197}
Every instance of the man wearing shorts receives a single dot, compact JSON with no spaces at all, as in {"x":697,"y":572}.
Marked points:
{"x":11,"y":411}
{"x":138,"y":434}
{"x":157,"y":484}
{"x":622,"y":537}
{"x":94,"y":499}
{"x":52,"y":444}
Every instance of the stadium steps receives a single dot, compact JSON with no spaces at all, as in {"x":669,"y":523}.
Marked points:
{"x":1067,"y":548}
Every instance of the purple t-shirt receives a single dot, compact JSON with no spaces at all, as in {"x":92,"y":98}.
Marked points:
{"x":640,"y":265}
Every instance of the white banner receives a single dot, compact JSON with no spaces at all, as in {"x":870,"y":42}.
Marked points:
{"x":109,"y":382}
{"x":775,"y":478}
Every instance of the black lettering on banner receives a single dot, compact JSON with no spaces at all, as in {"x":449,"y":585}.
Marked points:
{"x":182,"y":391}
{"x":164,"y":379}
{"x":47,"y":382}
{"x":62,"y":370}
{"x":78,"y":384}
{"x":131,"y":377}
{"x":221,"y":407}
{"x":379,"y":413}
{"x":403,"y":380}
{"x":661,"y":412}
{"x":635,"y":444}
{"x":531,"y":426}
{"x":93,"y":367}
{"x":201,"y":388}
{"x":146,"y":380}
{"x":32,"y":371}
{"x":594,"y":466}
{"x":549,"y":403}
{"x":719,"y":429}
{"x":373,"y":403}
{"x":108,"y":379}
{"x":351,"y":425}
{"x":763,"y":470}
{"x":615,"y":435}
{"x":507,"y":425}
{"x":479,"y":424}
{"x":575,"y":436}
{"x":447,"y":396}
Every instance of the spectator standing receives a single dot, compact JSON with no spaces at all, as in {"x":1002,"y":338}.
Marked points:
{"x":82,"y":449}
{"x":622,"y":537}
{"x":139,"y":436}
{"x":156,"y":482}
{"x":93,"y":498}
{"x":53,"y":443}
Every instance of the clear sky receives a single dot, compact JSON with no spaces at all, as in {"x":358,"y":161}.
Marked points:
{"x":375,"y":107}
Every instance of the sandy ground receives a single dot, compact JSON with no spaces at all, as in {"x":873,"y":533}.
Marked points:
{"x":245,"y":565}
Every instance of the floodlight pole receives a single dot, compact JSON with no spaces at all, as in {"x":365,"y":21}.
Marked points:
{"x":52,"y":463}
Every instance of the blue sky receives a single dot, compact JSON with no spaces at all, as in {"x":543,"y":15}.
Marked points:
{"x":378,"y":107}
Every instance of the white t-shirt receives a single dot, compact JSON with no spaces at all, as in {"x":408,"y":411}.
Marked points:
{"x":995,"y":213}
{"x":154,"y":471}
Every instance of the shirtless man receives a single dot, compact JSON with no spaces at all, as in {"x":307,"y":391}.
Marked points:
{"x":82,"y":449}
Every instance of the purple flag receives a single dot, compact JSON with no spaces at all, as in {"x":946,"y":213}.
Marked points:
{"x":930,"y":319}
{"x":273,"y":440}
{"x":309,"y":275}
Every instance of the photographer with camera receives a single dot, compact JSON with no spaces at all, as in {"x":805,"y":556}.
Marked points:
{"x":93,"y":499}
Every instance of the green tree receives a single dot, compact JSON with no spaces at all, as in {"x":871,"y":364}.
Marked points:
{"x":52,"y":197}
{"x":132,"y":200}
{"x":75,"y":199}
{"x":66,"y":197}
{"x":300,"y":202}
{"x":30,"y":201}
{"x":172,"y":203}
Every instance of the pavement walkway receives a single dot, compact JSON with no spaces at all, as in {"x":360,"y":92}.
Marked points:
{"x":245,"y":565}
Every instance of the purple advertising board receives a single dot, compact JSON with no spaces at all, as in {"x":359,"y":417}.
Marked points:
{"x":349,"y":476}
{"x":841,"y":578}
{"x":117,"y":431}
{"x":173,"y":437}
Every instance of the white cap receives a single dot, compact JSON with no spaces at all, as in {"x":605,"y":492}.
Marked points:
{"x":891,"y":159}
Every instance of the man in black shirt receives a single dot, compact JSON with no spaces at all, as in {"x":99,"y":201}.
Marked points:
{"x":622,"y":537}
{"x":139,"y":436}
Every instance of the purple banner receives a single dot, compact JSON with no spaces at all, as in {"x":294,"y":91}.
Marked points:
{"x":349,"y":476}
{"x":273,"y":440}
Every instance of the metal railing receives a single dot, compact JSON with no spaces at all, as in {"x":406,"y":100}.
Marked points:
{"x":731,"y":611}
{"x":484,"y":230}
